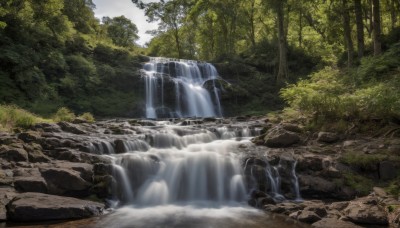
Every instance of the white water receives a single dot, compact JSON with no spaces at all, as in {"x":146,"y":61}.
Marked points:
{"x":187,"y":78}
{"x":186,"y":176}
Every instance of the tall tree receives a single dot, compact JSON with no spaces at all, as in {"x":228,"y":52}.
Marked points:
{"x":347,"y":33}
{"x":121,"y":30}
{"x":360,"y":28}
{"x":283,"y":68}
{"x":376,"y":21}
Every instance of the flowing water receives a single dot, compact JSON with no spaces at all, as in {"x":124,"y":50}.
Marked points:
{"x":187,"y":176}
{"x":177,"y":88}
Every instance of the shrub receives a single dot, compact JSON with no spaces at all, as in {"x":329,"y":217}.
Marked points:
{"x":87,"y":116}
{"x":64,"y":114}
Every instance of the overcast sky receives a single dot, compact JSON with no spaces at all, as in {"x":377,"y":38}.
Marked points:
{"x":115,"y":8}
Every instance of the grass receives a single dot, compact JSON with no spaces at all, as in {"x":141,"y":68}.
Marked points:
{"x":12,"y":117}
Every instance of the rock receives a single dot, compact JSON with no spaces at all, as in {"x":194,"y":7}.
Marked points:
{"x":327,"y":137}
{"x":278,"y":137}
{"x":120,"y":146}
{"x":47,"y":127}
{"x":366,"y":211}
{"x":387,"y":170}
{"x":379,"y":192}
{"x":72,"y":128}
{"x":29,"y":136}
{"x":316,"y":187}
{"x":103,"y":186}
{"x":338,"y":205}
{"x":6,"y":195}
{"x":308,"y":217}
{"x":101,"y":169}
{"x":35,"y":153}
{"x":64,"y":181}
{"x":30,"y":184}
{"x":292,"y":127}
{"x":333,"y":223}
{"x":13,"y":154}
{"x":28,"y":207}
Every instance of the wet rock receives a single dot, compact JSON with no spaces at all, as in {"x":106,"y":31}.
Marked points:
{"x":72,"y":128}
{"x":15,"y":154}
{"x":327,"y":137}
{"x":27,"y":207}
{"x":119,"y":146}
{"x":278,"y":137}
{"x":286,"y":208}
{"x":386,"y":170}
{"x":6,"y":177}
{"x":333,"y":223}
{"x":103,"y":186}
{"x":101,"y":169}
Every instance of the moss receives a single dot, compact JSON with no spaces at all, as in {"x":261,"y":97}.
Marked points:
{"x":363,"y":161}
{"x":360,"y":184}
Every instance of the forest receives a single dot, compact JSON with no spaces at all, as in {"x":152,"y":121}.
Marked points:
{"x":333,"y":59}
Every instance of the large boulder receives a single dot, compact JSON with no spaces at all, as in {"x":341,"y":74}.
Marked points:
{"x":278,"y":137}
{"x":13,"y":153}
{"x":30,"y":184}
{"x":366,"y":211}
{"x":27,"y":207}
{"x":62,"y":181}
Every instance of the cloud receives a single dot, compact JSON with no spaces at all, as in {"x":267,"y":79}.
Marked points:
{"x":115,"y":8}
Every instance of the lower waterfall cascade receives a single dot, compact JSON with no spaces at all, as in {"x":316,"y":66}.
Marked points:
{"x":191,"y":170}
{"x":177,"y":88}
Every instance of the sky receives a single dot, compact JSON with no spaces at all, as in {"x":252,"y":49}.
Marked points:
{"x":115,"y":8}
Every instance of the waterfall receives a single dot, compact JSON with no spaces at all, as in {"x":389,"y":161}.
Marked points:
{"x":181,"y":88}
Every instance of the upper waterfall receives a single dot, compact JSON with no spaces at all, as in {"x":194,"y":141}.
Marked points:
{"x":177,"y":88}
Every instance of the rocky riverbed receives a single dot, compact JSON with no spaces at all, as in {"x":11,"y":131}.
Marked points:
{"x":64,"y":171}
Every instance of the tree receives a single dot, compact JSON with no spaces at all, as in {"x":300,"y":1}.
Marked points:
{"x":376,"y":21}
{"x":121,"y":30}
{"x":360,"y":28}
{"x":347,"y":33}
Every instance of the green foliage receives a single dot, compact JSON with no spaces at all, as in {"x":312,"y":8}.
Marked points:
{"x":13,"y":117}
{"x":87,"y":116}
{"x":64,"y":114}
{"x":360,"y":184}
{"x":368,"y":91}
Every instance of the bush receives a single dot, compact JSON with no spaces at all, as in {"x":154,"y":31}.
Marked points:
{"x":366,"y":92}
{"x":64,"y":114}
{"x":13,"y":117}
{"x":87,"y":116}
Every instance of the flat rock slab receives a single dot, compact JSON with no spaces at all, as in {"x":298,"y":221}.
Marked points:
{"x":27,"y":207}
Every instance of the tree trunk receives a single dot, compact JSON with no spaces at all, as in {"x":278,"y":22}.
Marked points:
{"x":393,"y":14}
{"x":301,"y":27}
{"x":360,"y":28}
{"x":347,"y":33}
{"x":376,"y":19}
{"x":282,"y":70}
